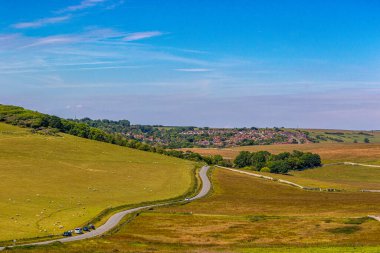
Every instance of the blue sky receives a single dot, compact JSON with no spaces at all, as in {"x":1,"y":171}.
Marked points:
{"x":232,"y":63}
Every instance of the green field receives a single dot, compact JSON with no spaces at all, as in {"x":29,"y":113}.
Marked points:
{"x":347,"y":136}
{"x":53,"y":183}
{"x":246,"y":214}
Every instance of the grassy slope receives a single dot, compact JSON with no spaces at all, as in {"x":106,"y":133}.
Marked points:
{"x":336,"y":176}
{"x":244,"y":213}
{"x":48,"y":182}
{"x":347,"y":136}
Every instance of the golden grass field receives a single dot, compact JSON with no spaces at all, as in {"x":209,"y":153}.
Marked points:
{"x":246,"y":214}
{"x":343,"y":177}
{"x":50,"y":184}
{"x":329,"y":152}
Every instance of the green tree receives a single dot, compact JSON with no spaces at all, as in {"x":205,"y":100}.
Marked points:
{"x":309,"y":160}
{"x":259,"y":159}
{"x":243,"y":159}
{"x":279,"y":167}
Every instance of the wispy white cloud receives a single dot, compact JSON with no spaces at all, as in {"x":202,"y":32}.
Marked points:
{"x":89,"y":36}
{"x":193,"y":70}
{"x":41,"y":22}
{"x":59,"y":39}
{"x":114,"y":5}
{"x":53,"y":20}
{"x":142,"y":35}
{"x":82,"y":5}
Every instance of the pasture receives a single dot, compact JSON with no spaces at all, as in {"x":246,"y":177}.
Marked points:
{"x":329,"y":152}
{"x":54,"y":183}
{"x":347,"y":136}
{"x":246,"y":214}
{"x":344,"y":177}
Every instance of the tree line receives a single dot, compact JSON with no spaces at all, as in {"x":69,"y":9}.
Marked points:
{"x":281,"y":163}
{"x":48,"y":124}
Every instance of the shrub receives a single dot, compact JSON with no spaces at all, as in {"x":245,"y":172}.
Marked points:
{"x":344,"y":230}
{"x":265,"y":169}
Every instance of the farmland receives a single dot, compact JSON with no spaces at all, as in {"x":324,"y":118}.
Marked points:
{"x":346,"y":136}
{"x":329,"y":152}
{"x":244,"y":214}
{"x":345,"y":177}
{"x":53,"y":183}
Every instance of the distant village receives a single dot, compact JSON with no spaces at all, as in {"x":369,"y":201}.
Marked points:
{"x":222,"y":137}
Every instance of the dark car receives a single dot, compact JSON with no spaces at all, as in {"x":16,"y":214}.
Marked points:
{"x":91,"y":226}
{"x":86,"y":229}
{"x":67,"y":233}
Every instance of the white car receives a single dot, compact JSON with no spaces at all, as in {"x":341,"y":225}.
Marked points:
{"x":78,"y":231}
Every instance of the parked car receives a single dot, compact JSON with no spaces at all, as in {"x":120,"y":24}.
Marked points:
{"x":91,"y":226}
{"x":67,"y":233}
{"x":86,"y":229}
{"x":78,"y":231}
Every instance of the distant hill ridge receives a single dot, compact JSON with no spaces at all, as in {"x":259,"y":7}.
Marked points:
{"x":190,"y":136}
{"x":145,"y":136}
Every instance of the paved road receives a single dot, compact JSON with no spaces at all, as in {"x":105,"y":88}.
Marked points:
{"x":116,"y":218}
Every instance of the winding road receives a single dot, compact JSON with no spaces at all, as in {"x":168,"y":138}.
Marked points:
{"x":116,"y":218}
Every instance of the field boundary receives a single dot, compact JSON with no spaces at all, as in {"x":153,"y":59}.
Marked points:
{"x":361,"y":164}
{"x":352,"y":164}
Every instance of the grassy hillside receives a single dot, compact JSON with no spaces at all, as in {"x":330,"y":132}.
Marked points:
{"x":346,"y":136}
{"x":53,"y":183}
{"x":245,"y":214}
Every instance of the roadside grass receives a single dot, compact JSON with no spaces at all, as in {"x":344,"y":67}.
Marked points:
{"x":54,"y":183}
{"x":106,"y":246}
